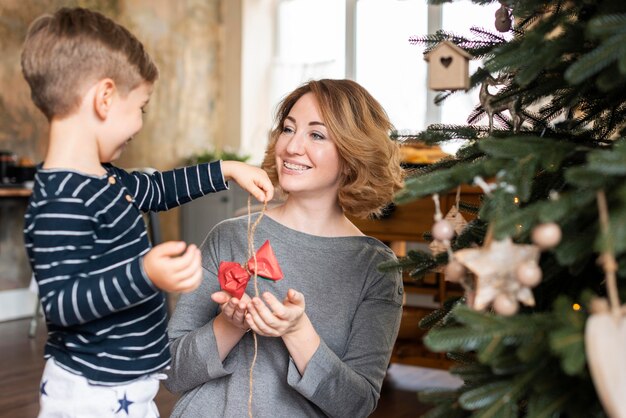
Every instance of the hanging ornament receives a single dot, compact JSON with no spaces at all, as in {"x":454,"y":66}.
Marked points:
{"x":445,"y":229}
{"x":455,"y":272}
{"x":495,"y":266}
{"x":547,"y":235}
{"x":605,"y":332}
{"x":503,"y":22}
{"x":605,"y":345}
{"x":505,"y":304}
{"x":528,"y":273}
{"x":492,"y":106}
{"x":448,"y":67}
{"x":452,"y":224}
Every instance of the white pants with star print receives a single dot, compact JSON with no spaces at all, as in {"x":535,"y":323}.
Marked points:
{"x":67,"y":395}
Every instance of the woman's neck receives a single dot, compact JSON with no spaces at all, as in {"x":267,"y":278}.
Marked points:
{"x":313,"y":218}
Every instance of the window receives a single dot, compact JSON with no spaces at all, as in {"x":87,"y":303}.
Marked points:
{"x":390,"y":68}
{"x":310,"y":43}
{"x":366,"y":40}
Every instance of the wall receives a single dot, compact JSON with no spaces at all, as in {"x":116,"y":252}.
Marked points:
{"x":184,"y":115}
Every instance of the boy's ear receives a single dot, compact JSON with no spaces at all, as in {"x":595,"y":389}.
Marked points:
{"x":103,"y":99}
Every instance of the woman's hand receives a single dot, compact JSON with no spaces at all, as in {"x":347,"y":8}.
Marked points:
{"x":233,"y":310}
{"x":271,"y":318}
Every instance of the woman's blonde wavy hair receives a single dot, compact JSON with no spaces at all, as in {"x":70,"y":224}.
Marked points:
{"x":360,"y":128}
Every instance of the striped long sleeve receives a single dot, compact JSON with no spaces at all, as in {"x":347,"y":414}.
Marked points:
{"x":86,"y":239}
{"x":164,"y":190}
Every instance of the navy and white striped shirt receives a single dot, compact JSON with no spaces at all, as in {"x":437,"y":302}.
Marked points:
{"x":86,"y":238}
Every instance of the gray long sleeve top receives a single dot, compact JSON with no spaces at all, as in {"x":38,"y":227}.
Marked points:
{"x":355,"y":309}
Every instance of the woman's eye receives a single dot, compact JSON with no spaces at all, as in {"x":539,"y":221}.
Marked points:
{"x":287,"y":129}
{"x":318,"y":136}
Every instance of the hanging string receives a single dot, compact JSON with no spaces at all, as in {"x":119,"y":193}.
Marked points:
{"x":607,"y":259}
{"x":252,"y":254}
{"x":438,"y":215}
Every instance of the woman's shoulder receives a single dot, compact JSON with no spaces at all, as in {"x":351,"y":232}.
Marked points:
{"x":379,"y":249}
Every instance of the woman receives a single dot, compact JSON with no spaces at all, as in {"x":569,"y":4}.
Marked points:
{"x":326,"y":331}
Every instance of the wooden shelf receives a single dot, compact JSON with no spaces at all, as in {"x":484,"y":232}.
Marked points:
{"x":15,"y":192}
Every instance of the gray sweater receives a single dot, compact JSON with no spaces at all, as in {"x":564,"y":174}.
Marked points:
{"x":354,"y":308}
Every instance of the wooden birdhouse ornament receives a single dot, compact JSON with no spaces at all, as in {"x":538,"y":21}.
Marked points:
{"x":448,"y":67}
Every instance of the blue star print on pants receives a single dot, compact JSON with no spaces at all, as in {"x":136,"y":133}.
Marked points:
{"x":124,"y":404}
{"x":42,"y":388}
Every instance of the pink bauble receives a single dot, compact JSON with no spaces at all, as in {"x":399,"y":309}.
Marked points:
{"x":454,"y":271}
{"x":528,"y":273}
{"x":547,"y":235}
{"x":505,"y":305}
{"x":443,"y":230}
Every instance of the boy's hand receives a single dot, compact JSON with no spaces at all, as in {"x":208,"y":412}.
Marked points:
{"x":252,"y":179}
{"x":172,"y":271}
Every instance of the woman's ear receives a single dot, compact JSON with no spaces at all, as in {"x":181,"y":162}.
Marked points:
{"x":103,"y":99}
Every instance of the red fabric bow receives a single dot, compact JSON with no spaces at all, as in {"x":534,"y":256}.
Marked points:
{"x":234,"y":278}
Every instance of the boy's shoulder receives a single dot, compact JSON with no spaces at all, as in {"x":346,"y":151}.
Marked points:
{"x":64,"y":183}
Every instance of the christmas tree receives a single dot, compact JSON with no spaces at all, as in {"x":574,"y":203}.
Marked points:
{"x":549,"y":238}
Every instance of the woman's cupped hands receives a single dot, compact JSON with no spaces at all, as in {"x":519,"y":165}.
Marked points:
{"x":269,"y":317}
{"x":265,"y":315}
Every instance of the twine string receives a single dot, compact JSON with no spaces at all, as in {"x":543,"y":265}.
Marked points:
{"x":251,"y":228}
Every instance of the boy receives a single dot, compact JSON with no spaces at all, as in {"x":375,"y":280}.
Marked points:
{"x":99,"y":280}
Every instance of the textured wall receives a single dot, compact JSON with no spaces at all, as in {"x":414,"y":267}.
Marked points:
{"x":183,"y":37}
{"x":183,"y":115}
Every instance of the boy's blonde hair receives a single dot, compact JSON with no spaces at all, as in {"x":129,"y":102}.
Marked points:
{"x":360,"y":128}
{"x":66,"y":52}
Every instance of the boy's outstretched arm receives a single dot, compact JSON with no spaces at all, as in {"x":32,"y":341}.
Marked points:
{"x":253,"y":179}
{"x":163,"y":190}
{"x":167,"y":189}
